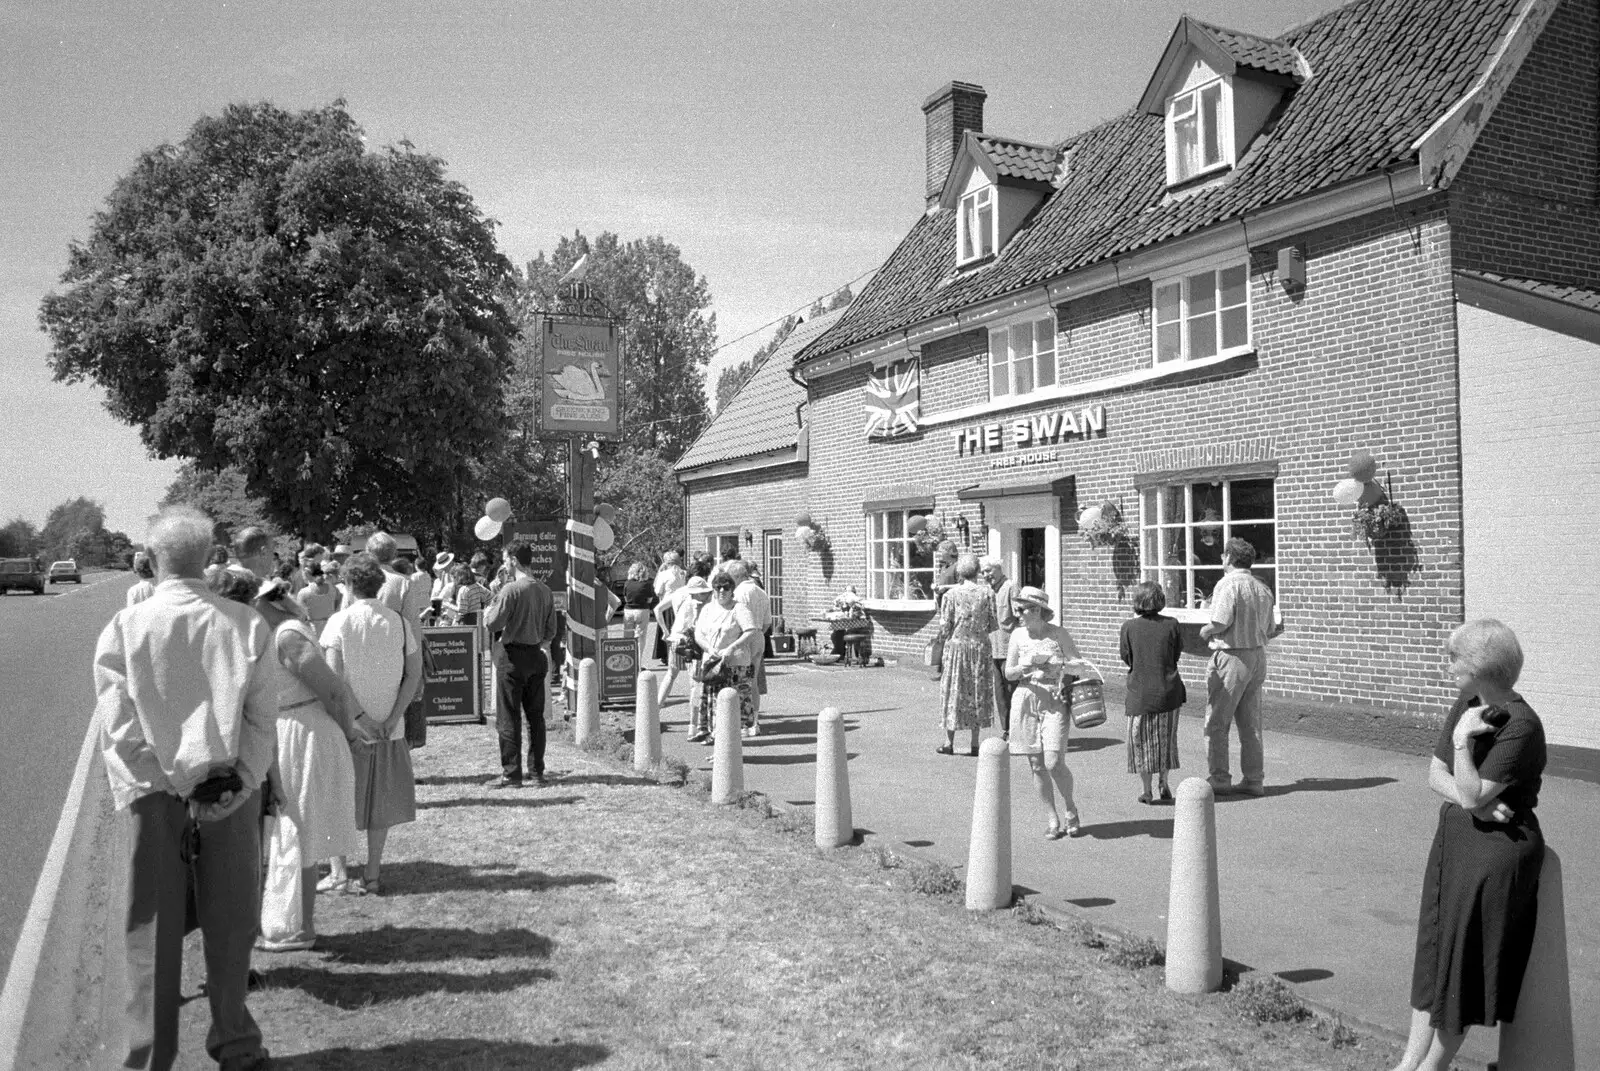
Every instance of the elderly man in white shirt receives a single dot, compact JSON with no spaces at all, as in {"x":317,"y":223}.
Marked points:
{"x":753,"y":597}
{"x":187,"y":708}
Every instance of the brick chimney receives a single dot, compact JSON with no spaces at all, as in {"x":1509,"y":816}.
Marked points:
{"x":951,"y":112}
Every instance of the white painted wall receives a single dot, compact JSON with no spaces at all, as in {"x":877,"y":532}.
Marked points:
{"x":1530,"y":453}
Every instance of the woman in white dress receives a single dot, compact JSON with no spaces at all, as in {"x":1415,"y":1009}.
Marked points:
{"x":318,"y":719}
{"x":1037,"y":657}
{"x":378,"y":654}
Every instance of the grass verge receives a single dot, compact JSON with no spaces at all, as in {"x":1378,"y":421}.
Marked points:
{"x":614,"y":920}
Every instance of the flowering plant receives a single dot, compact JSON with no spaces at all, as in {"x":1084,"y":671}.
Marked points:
{"x":930,"y":534}
{"x":815,"y":539}
{"x":1374,"y":522}
{"x":1102,"y":525}
{"x":847,"y":608}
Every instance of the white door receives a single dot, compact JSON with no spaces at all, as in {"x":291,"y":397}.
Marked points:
{"x":1025,"y":534}
{"x":1530,"y":489}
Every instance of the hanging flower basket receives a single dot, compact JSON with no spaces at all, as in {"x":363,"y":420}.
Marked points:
{"x":815,"y":539}
{"x":1375,"y":522}
{"x":1102,"y":525}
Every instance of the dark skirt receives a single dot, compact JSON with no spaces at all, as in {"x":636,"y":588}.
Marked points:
{"x":386,"y":792}
{"x":1480,"y":901}
{"x":662,"y":633}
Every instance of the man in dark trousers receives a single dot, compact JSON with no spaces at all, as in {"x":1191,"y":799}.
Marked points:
{"x":520,"y":621}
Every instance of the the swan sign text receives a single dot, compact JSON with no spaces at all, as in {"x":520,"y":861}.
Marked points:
{"x":581,"y":379}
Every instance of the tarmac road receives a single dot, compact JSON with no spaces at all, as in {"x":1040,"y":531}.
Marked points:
{"x":46,"y":653}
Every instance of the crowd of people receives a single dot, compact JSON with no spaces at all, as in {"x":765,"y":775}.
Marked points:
{"x":247,"y":704}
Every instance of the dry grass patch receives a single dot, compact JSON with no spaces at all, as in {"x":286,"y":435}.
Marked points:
{"x":609,"y":920}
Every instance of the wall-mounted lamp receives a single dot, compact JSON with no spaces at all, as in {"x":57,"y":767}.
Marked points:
{"x":749,"y":537}
{"x":1292,"y":268}
{"x":962,"y":528}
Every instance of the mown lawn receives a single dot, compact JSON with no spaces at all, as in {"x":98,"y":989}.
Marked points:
{"x":611,"y":921}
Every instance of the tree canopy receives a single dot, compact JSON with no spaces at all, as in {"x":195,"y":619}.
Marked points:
{"x":76,"y":529}
{"x":269,"y":295}
{"x":222,"y":496}
{"x":19,"y":539}
{"x":733,"y":378}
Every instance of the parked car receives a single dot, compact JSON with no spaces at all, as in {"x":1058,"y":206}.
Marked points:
{"x":61,"y":572}
{"x":24,"y":574}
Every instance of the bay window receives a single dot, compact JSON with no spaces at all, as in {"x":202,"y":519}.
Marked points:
{"x":899,"y":568}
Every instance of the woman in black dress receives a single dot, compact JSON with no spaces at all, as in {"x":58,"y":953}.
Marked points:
{"x":1151,"y":645}
{"x":1480,"y":891}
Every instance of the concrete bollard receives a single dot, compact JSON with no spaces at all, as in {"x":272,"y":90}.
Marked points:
{"x":989,"y":847}
{"x":1194,"y":910}
{"x":835,"y":825}
{"x":727,"y":760}
{"x":1540,"y":1037}
{"x":646,"y":724}
{"x":587,"y":726}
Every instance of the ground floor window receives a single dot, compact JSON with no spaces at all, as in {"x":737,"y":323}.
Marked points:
{"x":898,"y":567}
{"x":1183,"y":527}
{"x":723,"y":545}
{"x":772,"y":570}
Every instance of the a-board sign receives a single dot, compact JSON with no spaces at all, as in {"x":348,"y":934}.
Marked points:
{"x":619,"y":669}
{"x":548,"y":538}
{"x":451,"y":690}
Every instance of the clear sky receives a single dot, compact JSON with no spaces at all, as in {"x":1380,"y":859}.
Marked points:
{"x":778,"y":144}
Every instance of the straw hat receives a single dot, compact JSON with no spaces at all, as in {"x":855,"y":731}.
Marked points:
{"x":1031,"y":596}
{"x":698,"y":588}
{"x":443,"y":560}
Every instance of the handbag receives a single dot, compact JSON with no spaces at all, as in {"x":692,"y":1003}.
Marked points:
{"x":711,"y":672}
{"x":416,"y":715}
{"x":1086,"y":699}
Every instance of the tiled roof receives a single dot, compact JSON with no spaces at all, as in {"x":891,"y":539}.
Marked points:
{"x":1019,"y":159}
{"x":1384,"y":71}
{"x":1572,"y":295}
{"x":1262,"y":53}
{"x":761,"y":417}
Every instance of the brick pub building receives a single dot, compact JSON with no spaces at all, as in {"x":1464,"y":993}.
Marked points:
{"x":1376,"y":232}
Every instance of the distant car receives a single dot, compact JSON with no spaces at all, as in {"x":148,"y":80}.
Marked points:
{"x":61,"y":572}
{"x":24,"y":574}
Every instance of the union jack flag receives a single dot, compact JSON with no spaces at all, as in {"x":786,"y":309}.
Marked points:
{"x":893,"y":400}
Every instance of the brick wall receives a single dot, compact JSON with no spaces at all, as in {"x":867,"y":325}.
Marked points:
{"x":1363,"y":358}
{"x":1525,"y":201}
{"x":761,"y":500}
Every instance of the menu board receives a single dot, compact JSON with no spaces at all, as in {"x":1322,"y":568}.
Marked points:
{"x":548,"y":538}
{"x":451,"y":690}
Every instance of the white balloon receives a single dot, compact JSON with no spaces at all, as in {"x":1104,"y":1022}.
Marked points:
{"x":1089,"y":516}
{"x":497,"y":510}
{"x":802,"y":532}
{"x":603,"y":535}
{"x":486,"y":528}
{"x":1348,"y":492}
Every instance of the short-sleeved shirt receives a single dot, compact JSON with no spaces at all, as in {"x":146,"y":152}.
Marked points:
{"x":373,"y":642}
{"x":1241,"y":605}
{"x":1512,"y":755}
{"x":523,"y":613}
{"x":715,"y":629}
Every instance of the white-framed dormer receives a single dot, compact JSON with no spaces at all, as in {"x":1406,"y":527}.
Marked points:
{"x":1217,"y":90}
{"x":1202,"y":310}
{"x":977,"y":220}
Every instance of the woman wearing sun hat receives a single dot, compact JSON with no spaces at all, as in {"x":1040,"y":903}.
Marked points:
{"x":1038,"y":656}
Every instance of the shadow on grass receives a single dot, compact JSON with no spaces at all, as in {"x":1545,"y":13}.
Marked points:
{"x":423,"y":944}
{"x":609,"y":778}
{"x":448,"y":1053}
{"x":1157,"y":828}
{"x":353,"y":990}
{"x":458,"y":779}
{"x":415,"y":876}
{"x":522,"y":798}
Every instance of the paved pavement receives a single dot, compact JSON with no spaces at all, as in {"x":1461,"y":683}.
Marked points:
{"x":1320,"y":879}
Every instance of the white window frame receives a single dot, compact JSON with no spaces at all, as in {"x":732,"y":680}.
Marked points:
{"x":1153,"y":529}
{"x":1188,"y":319}
{"x":878,"y":595}
{"x":1183,"y":105}
{"x":1043,"y":367}
{"x":984,"y":197}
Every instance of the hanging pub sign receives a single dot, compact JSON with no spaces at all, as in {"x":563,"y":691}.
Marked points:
{"x":893,"y":400}
{"x":580,"y":381}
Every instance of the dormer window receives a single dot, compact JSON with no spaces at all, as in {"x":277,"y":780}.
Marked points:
{"x":1198,"y":123}
{"x":976,"y":223}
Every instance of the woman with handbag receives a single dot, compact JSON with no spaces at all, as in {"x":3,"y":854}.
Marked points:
{"x":377,"y":652}
{"x":1043,"y":660}
{"x":726,"y":633}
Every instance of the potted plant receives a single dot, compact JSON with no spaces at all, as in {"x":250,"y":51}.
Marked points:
{"x":1102,"y":525}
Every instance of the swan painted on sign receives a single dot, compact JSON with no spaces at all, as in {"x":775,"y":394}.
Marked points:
{"x":576,"y":385}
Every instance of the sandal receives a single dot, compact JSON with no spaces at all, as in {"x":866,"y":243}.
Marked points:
{"x":329,"y":884}
{"x":945,"y":749}
{"x":1074,"y":827}
{"x":1053,"y":831}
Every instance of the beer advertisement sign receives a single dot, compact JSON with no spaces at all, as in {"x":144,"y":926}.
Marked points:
{"x":580,"y":385}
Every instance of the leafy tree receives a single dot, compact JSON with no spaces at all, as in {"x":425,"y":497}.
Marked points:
{"x":668,"y":336}
{"x":19,"y":539}
{"x":649,"y":502}
{"x":734,"y":377}
{"x":223,"y":496}
{"x":78,"y":523}
{"x":271,"y":296}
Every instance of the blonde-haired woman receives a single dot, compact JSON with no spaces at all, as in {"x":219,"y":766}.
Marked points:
{"x":1481,"y":886}
{"x":1039,"y":655}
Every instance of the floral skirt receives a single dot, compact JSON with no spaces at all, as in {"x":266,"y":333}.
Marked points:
{"x":744,"y":682}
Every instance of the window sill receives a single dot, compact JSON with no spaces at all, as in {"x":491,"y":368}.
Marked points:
{"x":899,"y":605}
{"x":1068,"y":391}
{"x":1188,"y":617}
